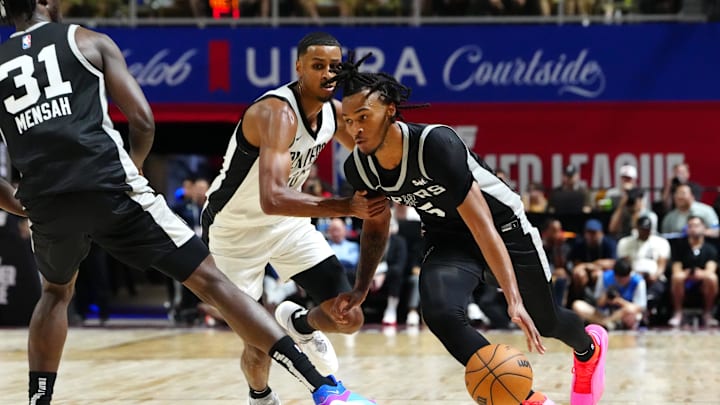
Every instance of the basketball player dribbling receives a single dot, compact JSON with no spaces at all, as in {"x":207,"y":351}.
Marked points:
{"x":476,"y":230}
{"x":78,"y":185}
{"x":256,"y":214}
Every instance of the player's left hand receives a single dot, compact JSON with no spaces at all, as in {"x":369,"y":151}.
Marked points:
{"x":519,"y":316}
{"x":345,"y":302}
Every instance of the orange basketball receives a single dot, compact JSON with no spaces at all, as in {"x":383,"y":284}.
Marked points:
{"x":498,"y":375}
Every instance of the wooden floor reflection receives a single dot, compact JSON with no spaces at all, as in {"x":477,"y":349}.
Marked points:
{"x":162,"y":365}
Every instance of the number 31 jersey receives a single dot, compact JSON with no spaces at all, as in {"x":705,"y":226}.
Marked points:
{"x":54,"y":120}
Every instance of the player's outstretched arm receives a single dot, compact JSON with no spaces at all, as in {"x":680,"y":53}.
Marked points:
{"x":8,"y":202}
{"x":476,"y":214}
{"x":373,"y":241}
{"x":124,"y":91}
{"x":272,"y":125}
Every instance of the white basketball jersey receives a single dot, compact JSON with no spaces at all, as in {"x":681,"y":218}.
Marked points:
{"x":234,"y":196}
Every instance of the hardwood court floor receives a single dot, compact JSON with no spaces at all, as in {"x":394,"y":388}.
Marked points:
{"x":162,"y":366}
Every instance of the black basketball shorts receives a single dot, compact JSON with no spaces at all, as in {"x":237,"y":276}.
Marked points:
{"x":138,"y":229}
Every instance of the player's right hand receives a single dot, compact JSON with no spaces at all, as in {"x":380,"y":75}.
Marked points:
{"x":518,"y":315}
{"x":345,"y":302}
{"x":364,"y":206}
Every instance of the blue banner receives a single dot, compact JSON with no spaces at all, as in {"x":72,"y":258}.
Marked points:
{"x":485,"y":63}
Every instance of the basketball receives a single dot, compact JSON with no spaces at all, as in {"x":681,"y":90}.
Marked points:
{"x":498,"y":375}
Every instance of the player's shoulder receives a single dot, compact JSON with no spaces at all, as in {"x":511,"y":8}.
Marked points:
{"x":268,"y":107}
{"x":433,"y":135}
{"x":351,"y":160}
{"x":351,"y":166}
{"x":437,"y":140}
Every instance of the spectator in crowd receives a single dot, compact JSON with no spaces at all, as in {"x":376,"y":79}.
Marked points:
{"x":630,"y":207}
{"x":570,"y":197}
{"x":685,"y":207}
{"x":93,"y":286}
{"x":510,"y":7}
{"x":316,"y":8}
{"x":590,"y":257}
{"x":315,"y":185}
{"x":347,"y":251}
{"x":681,"y":175}
{"x":579,"y":7}
{"x":627,"y":181}
{"x":184,"y":193}
{"x":694,"y":273}
{"x":649,"y":255}
{"x":489,"y":306}
{"x":19,"y":279}
{"x":391,"y":273}
{"x":410,"y":228}
{"x":534,"y":199}
{"x":380,"y":7}
{"x":189,"y":205}
{"x":183,"y":303}
{"x":557,"y":250}
{"x":648,"y":252}
{"x":620,"y":296}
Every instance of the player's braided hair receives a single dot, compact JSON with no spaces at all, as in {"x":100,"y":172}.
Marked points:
{"x":352,"y":81}
{"x":10,"y":9}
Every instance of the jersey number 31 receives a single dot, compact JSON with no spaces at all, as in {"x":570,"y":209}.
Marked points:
{"x":25,"y":79}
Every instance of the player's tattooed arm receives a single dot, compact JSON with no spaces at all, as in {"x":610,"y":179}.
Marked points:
{"x":373,"y":240}
{"x":8,"y":202}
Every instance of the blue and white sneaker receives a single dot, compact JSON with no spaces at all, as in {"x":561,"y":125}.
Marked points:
{"x":338,"y":395}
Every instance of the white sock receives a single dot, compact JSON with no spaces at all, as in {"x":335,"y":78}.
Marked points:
{"x":392,"y":304}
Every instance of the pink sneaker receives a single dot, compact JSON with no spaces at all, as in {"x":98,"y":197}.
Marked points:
{"x":589,"y":377}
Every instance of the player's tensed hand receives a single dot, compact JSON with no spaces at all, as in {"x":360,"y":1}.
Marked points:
{"x":364,"y":206}
{"x":519,"y":316}
{"x":345,"y":302}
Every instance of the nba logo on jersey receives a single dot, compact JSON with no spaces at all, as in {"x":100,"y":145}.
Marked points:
{"x":26,"y":41}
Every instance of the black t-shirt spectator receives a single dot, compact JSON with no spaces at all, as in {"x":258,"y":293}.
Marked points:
{"x":692,"y":258}
{"x":583,"y":253}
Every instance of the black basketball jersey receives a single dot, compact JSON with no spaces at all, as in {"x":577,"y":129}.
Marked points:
{"x":53,"y":117}
{"x":434,"y":176}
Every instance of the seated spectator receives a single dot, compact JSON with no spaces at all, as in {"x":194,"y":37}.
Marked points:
{"x":648,"y":253}
{"x":694,"y":273}
{"x":579,"y":7}
{"x":534,"y":199}
{"x":317,"y":8}
{"x":410,"y":228}
{"x":627,"y":181}
{"x":570,"y":197}
{"x":391,"y":273}
{"x":380,"y":7}
{"x":630,"y":207}
{"x":590,"y":257}
{"x":20,"y":284}
{"x":557,"y":250}
{"x":488,"y":305}
{"x":315,"y":185}
{"x":620,"y":296}
{"x":347,"y":251}
{"x":681,"y":175}
{"x":649,"y":256}
{"x":685,"y":207}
